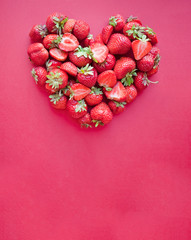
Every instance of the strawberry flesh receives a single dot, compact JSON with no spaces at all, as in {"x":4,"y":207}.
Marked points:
{"x":118,"y":93}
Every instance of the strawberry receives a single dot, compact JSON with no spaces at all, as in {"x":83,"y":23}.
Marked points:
{"x":133,"y":19}
{"x":38,"y":32}
{"x":81,"y":56}
{"x":131,"y":93}
{"x":108,"y":64}
{"x":133,"y":30}
{"x":58,"y":54}
{"x":141,"y":81}
{"x":76,"y":109}
{"x":79,"y":91}
{"x":51,"y":41}
{"x":39,"y":74}
{"x":152,"y":71}
{"x":156,"y":65}
{"x":87,"y":41}
{"x":51,"y":64}
{"x":117,"y":22}
{"x":124,"y":66}
{"x":151,"y":35}
{"x":67,"y":89}
{"x":57,"y":79}
{"x":94,"y":97}
{"x":58,"y":100}
{"x":49,"y":89}
{"x":55,"y":22}
{"x":87,"y":75}
{"x":107,"y":79}
{"x":99,"y":39}
{"x":146,"y":63}
{"x":85,"y":121}
{"x":101,"y":114}
{"x":154,"y":52}
{"x":68,"y":26}
{"x":118,"y":93}
{"x":70,"y":68}
{"x":99,"y":52}
{"x":106,"y":33}
{"x":141,"y":47}
{"x":68,"y":42}
{"x":119,"y":44}
{"x":37,"y":54}
{"x":117,"y":107}
{"x":81,"y":29}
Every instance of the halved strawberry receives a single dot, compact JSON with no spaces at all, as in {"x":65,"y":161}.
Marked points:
{"x":99,"y":51}
{"x":68,"y":42}
{"x":106,"y":33}
{"x":70,"y":68}
{"x":107,"y":79}
{"x":118,"y":93}
{"x":141,"y":47}
{"x":79,"y":91}
{"x":58,"y":54}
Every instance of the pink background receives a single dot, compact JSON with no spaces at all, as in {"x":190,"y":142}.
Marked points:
{"x":129,"y":180}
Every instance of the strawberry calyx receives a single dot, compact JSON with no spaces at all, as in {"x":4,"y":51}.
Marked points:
{"x":87,"y":70}
{"x":120,"y":104}
{"x":42,"y":30}
{"x":59,"y":24}
{"x":97,"y":122}
{"x":96,"y":91}
{"x":157,"y":60}
{"x":150,"y":31}
{"x":86,"y":125}
{"x":90,"y":36}
{"x":66,"y":89}
{"x":86,"y":52}
{"x":81,"y":106}
{"x":146,"y":81}
{"x":54,"y":98}
{"x":130,"y":19}
{"x":113,"y":21}
{"x":143,"y":38}
{"x":128,"y":79}
{"x":56,"y":42}
{"x":54,"y":79}
{"x":136,"y":31}
{"x":33,"y":72}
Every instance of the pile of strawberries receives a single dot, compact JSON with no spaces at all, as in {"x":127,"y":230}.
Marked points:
{"x":93,"y":78}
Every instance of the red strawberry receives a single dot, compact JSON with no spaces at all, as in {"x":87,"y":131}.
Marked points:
{"x":133,"y":30}
{"x":106,"y":33}
{"x":79,"y":91}
{"x":55,"y":22}
{"x":81,"y":29}
{"x":117,"y":107}
{"x":154,"y":52}
{"x":118,"y":93}
{"x":107,"y":79}
{"x":99,"y":39}
{"x":57,"y":79}
{"x":76,"y":109}
{"x":119,"y":44}
{"x":141,"y":47}
{"x":156,"y":65}
{"x":49,"y":89}
{"x":68,"y":42}
{"x":81,"y":56}
{"x":131,"y":93}
{"x":67,"y":89}
{"x":146,"y":63}
{"x":151,"y":35}
{"x":101,"y":114}
{"x":38,"y":54}
{"x":99,"y":52}
{"x":117,"y":22}
{"x":38,"y":32}
{"x":87,"y":41}
{"x":87,"y":75}
{"x":124,"y":66}
{"x":51,"y":41}
{"x":68,"y":26}
{"x":134,"y":19}
{"x":152,"y":71}
{"x":85,"y":121}
{"x":51,"y":64}
{"x":70,"y":68}
{"x":108,"y":64}
{"x":141,"y":81}
{"x":39,"y":74}
{"x":94,"y":97}
{"x":58,"y":54}
{"x":58,"y":100}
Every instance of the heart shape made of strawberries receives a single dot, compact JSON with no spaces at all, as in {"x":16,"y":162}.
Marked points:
{"x":93,"y":79}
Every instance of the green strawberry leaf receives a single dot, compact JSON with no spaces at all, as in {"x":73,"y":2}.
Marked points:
{"x":128,"y":79}
{"x":54,"y":79}
{"x":87,"y":70}
{"x":97,"y":123}
{"x":54,"y":98}
{"x":81,"y":106}
{"x":113,"y":21}
{"x":34,"y":75}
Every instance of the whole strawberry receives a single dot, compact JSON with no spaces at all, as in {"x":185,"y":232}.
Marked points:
{"x":68,"y":26}
{"x":76,"y":109}
{"x":58,"y":100}
{"x":119,"y":44}
{"x":108,"y":64}
{"x":134,"y":19}
{"x":38,"y":32}
{"x":86,"y":42}
{"x":55,"y":22}
{"x":99,"y":39}
{"x":67,"y":89}
{"x":151,"y":35}
{"x":146,"y":63}
{"x":85,"y":121}
{"x":87,"y":75}
{"x":101,"y":114}
{"x":57,"y":79}
{"x":81,"y":29}
{"x":133,"y":29}
{"x":131,"y":93}
{"x":39,"y":75}
{"x":117,"y":22}
{"x":141,"y":81}
{"x":81,"y":56}
{"x":51,"y":64}
{"x":38,"y":54}
{"x":51,"y":41}
{"x":124,"y":66}
{"x":94,"y":97}
{"x":117,"y":107}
